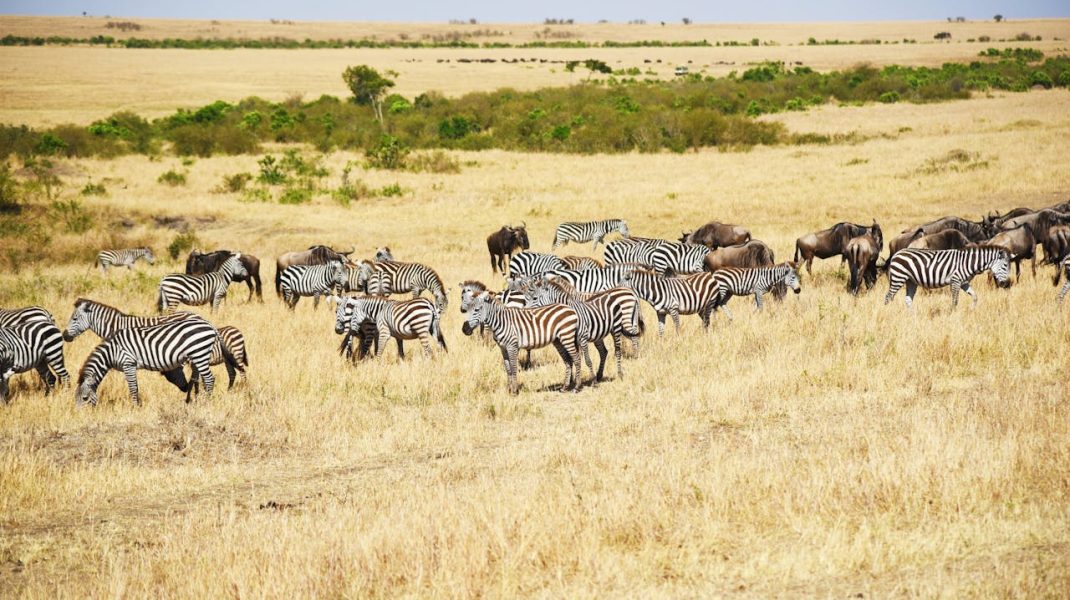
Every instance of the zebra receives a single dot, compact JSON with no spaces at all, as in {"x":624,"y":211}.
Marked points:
{"x":739,"y":281}
{"x":581,"y":263}
{"x":588,"y":231}
{"x":165,"y":348}
{"x":33,"y":345}
{"x":1064,"y":266}
{"x":14,"y":316}
{"x":391,"y":277}
{"x":104,"y":320}
{"x":612,"y":312}
{"x":404,"y":320}
{"x":312,"y":280}
{"x":592,"y":281}
{"x":676,"y":296}
{"x":528,"y":264}
{"x":937,"y":268}
{"x":510,"y":298}
{"x":528,"y":328}
{"x":631,"y":250}
{"x":383,"y":253}
{"x":679,"y":258}
{"x":195,"y":290}
{"x":123,"y":258}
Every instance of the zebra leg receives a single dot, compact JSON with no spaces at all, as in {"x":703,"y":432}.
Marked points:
{"x":315,"y":301}
{"x":617,"y":351}
{"x":912,"y":288}
{"x":966,"y":287}
{"x":661,"y":323}
{"x":893,"y":287}
{"x":955,"y":293}
{"x":569,"y":359}
{"x":1064,"y":290}
{"x":510,"y":354}
{"x":231,"y":373}
{"x":47,"y":377}
{"x":675,"y":313}
{"x":425,"y":341}
{"x":130,"y":372}
{"x":202,"y":370}
{"x":602,"y":354}
{"x":758,"y":301}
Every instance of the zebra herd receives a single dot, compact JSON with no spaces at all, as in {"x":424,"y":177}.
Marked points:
{"x":568,"y":302}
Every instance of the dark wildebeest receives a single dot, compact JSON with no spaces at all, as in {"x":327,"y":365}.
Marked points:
{"x":1020,"y":244}
{"x":1057,"y":246}
{"x":315,"y":255}
{"x":502,"y":243}
{"x":975,"y":231}
{"x":199,"y":262}
{"x":948,"y":239}
{"x":861,"y":254}
{"x":715,"y":235}
{"x":1041,"y":222}
{"x":995,"y":219}
{"x":826,"y":243}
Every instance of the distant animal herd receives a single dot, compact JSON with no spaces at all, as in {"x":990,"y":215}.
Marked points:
{"x":568,"y":302}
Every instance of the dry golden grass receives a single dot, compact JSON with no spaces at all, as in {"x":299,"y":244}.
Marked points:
{"x":831,"y":446}
{"x":53,"y":85}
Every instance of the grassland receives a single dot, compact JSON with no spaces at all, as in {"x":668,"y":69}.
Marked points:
{"x":830,"y":446}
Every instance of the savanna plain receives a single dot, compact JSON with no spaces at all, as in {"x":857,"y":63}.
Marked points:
{"x":828,"y":446}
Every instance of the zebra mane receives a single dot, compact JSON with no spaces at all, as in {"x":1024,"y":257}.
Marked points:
{"x":96,"y":356}
{"x":565,"y":288}
{"x":79,"y":302}
{"x":474,"y":283}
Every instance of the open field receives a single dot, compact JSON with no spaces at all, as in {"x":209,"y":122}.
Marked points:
{"x":830,"y":446}
{"x":54,"y":84}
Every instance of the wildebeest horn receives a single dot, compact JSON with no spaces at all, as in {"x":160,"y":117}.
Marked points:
{"x":351,"y":251}
{"x":524,"y":224}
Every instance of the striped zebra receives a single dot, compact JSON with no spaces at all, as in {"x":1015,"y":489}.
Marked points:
{"x":529,"y":264}
{"x":166,"y":348}
{"x":104,"y":320}
{"x":592,"y":281}
{"x":1064,"y":267}
{"x":528,"y":328}
{"x":123,"y":258}
{"x":34,"y":345}
{"x":581,"y":263}
{"x":936,"y":268}
{"x":403,"y":320}
{"x":740,"y":281}
{"x":613,"y":312}
{"x":510,"y":298}
{"x":588,"y":231}
{"x":383,"y":253}
{"x":196,"y":290}
{"x":631,"y":250}
{"x":679,"y":258}
{"x":14,"y":316}
{"x":311,"y":280}
{"x":676,"y":296}
{"x":391,"y":277}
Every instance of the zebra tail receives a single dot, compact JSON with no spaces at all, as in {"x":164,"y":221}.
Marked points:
{"x":638,"y":325}
{"x":436,"y":322}
{"x":159,"y":300}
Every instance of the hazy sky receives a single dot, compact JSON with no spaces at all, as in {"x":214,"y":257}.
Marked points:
{"x":535,"y":11}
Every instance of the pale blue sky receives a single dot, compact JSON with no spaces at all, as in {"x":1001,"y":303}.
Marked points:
{"x":764,"y":11}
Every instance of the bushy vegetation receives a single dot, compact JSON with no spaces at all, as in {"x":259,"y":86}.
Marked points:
{"x":611,"y":114}
{"x":172,"y":178}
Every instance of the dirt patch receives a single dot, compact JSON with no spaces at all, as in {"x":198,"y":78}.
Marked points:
{"x":180,"y":223}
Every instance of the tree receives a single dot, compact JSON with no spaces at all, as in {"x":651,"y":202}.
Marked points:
{"x":687,"y":21}
{"x":596,"y":66}
{"x":998,"y":18}
{"x":368,"y":87}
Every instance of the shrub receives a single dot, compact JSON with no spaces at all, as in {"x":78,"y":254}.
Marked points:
{"x":350,"y":192}
{"x":172,"y":178}
{"x":795,"y":104}
{"x":50,"y":145}
{"x":391,"y":190}
{"x":1040,"y":78}
{"x":889,"y":97}
{"x":436,"y":161}
{"x":94,"y":189}
{"x":456,"y":127}
{"x":296,"y":194}
{"x":10,"y":199}
{"x":73,"y":215}
{"x":235,"y":183}
{"x":181,"y":244}
{"x":271,"y":172}
{"x":389,"y":153}
{"x":1064,"y":79}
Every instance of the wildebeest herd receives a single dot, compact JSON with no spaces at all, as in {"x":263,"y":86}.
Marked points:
{"x":567,"y":302}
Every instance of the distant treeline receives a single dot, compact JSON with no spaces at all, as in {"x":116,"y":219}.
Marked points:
{"x":615,"y":114}
{"x":292,"y":44}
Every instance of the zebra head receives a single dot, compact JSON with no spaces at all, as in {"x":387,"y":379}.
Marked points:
{"x":342,"y":313}
{"x":791,"y":278}
{"x":338,"y":274}
{"x":383,"y":253}
{"x":469,"y":290}
{"x":149,"y":256}
{"x":1001,"y":267}
{"x":360,"y":314}
{"x":79,"y":322}
{"x":364,"y":275}
{"x":233,"y":267}
{"x":536,"y":292}
{"x":622,"y":227}
{"x":93,"y":371}
{"x":478,"y":312}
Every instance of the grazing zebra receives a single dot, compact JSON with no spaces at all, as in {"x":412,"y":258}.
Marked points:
{"x":104,"y":320}
{"x":588,"y":231}
{"x":14,"y":316}
{"x":581,"y":263}
{"x":404,"y":320}
{"x":196,"y":290}
{"x":528,"y":328}
{"x":613,"y":312}
{"x":311,"y":280}
{"x":123,"y":258}
{"x":165,"y":348}
{"x":33,"y":345}
{"x":676,"y":296}
{"x":529,"y":264}
{"x":937,"y":268}
{"x":1064,"y":266}
{"x":742,"y":281}
{"x":391,"y":277}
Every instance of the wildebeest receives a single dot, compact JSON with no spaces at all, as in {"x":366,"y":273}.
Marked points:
{"x":997,"y":220}
{"x":975,"y":231}
{"x":861,"y":254}
{"x":715,"y":235}
{"x":1020,"y":244}
{"x":198,"y":263}
{"x":502,"y":243}
{"x":1042,"y":222}
{"x":754,"y":253}
{"x":315,"y":255}
{"x":827,"y":242}
{"x":948,"y":239}
{"x":1057,"y":245}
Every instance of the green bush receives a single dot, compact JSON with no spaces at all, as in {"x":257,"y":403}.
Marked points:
{"x":73,"y":215}
{"x":296,"y":194}
{"x":271,"y":172}
{"x":388,"y":153}
{"x":435,"y":161}
{"x":94,"y":189}
{"x":889,"y":97}
{"x":172,"y":178}
{"x":181,"y":244}
{"x":1041,"y":78}
{"x":1064,"y":79}
{"x":10,"y":197}
{"x":235,"y":183}
{"x":391,"y":191}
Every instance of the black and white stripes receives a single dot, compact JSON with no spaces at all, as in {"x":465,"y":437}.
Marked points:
{"x":662,"y":256}
{"x":123,"y":258}
{"x":677,"y":296}
{"x":196,"y":290}
{"x":34,"y":344}
{"x":529,"y":264}
{"x":757,"y":281}
{"x":311,"y":280}
{"x":388,"y":277}
{"x":403,"y":320}
{"x":915,"y":267}
{"x":588,"y":231}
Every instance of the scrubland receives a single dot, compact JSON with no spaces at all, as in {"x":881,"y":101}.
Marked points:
{"x":829,"y":446}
